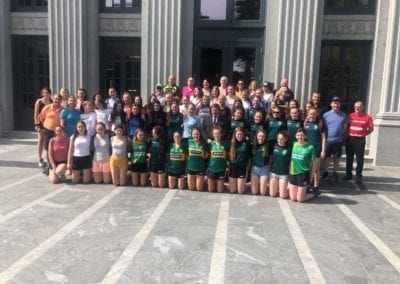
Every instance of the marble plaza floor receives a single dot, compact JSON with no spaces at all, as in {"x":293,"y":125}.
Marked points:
{"x":102,"y":234}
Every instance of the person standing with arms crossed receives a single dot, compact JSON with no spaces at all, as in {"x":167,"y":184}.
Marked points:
{"x":360,"y":124}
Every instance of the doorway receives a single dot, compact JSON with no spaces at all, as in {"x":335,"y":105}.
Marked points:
{"x":30,"y":74}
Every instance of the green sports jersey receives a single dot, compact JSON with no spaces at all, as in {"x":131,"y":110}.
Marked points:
{"x":302,"y":156}
{"x":274,"y":126}
{"x":157,"y":157}
{"x":138,"y":153}
{"x":313,"y":131}
{"x":242,"y":151}
{"x":259,"y":157}
{"x":280,"y":160}
{"x":292,"y":126}
{"x":175,"y":124}
{"x":218,"y":155}
{"x":238,"y":123}
{"x":177,"y":158}
{"x":196,"y":156}
{"x":254,"y":127}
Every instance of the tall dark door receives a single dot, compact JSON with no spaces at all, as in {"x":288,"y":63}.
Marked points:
{"x":344,"y":71}
{"x":30,"y":75}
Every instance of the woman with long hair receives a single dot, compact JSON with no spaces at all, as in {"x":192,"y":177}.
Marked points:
{"x":280,"y":167}
{"x":45,"y":99}
{"x":101,"y":144}
{"x":70,"y":116}
{"x":239,"y":161}
{"x":157,"y":153}
{"x":79,"y":160}
{"x":176,"y":162}
{"x":197,"y":153}
{"x":260,"y":164}
{"x":138,"y":165}
{"x":217,"y":161}
{"x":58,"y":155}
{"x":119,"y":157}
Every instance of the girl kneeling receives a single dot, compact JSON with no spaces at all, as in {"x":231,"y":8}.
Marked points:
{"x":176,"y":162}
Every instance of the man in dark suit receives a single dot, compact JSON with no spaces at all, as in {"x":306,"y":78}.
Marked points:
{"x":215,"y":119}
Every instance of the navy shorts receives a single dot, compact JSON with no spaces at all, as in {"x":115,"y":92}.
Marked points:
{"x":157,"y":169}
{"x":300,"y":180}
{"x":216,"y":175}
{"x":138,"y":168}
{"x":334,"y":149}
{"x":237,"y":171}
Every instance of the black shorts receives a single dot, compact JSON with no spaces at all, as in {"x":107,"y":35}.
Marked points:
{"x":300,"y":180}
{"x":195,"y":173}
{"x":57,"y":163}
{"x":47,"y":135}
{"x":334,"y":149}
{"x":177,"y":175}
{"x":81,"y":163}
{"x":237,"y":171}
{"x":138,"y":168}
{"x":216,"y":175}
{"x":158,"y":169}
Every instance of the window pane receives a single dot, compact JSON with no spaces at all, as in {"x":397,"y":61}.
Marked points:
{"x":213,"y":10}
{"x":129,"y":3}
{"x":244,"y":62}
{"x":247,"y":10}
{"x":211,"y":65}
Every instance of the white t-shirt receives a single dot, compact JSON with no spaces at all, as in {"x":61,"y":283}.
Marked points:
{"x":102,"y":116}
{"x":90,"y":120}
{"x":81,"y":145}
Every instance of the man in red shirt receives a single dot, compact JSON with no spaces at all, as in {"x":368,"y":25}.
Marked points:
{"x":360,"y":125}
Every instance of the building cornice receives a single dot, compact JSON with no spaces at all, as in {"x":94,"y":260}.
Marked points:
{"x":29,"y":23}
{"x":120,"y":25}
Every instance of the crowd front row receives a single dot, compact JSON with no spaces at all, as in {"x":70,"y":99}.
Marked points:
{"x":279,"y":169}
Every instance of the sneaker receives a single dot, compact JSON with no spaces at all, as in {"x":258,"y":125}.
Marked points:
{"x":325,"y":175}
{"x":46,"y":171}
{"x":347,"y":178}
{"x":316,"y":191}
{"x":309,"y":189}
{"x":41,"y":163}
{"x":335,"y":176}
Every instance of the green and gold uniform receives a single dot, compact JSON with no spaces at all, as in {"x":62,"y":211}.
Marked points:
{"x":177,"y":159}
{"x":196,"y":156}
{"x":302,"y":156}
{"x":280,"y":160}
{"x":218,"y":157}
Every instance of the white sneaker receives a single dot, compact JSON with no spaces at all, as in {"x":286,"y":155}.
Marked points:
{"x":41,"y":163}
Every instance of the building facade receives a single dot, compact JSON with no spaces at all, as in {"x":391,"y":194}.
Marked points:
{"x":345,"y":48}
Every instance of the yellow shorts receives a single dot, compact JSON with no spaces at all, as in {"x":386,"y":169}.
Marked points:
{"x":119,"y":162}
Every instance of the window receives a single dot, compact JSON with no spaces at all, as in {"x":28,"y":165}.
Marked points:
{"x":120,"y":64}
{"x":28,"y":5}
{"x":120,"y":6}
{"x":350,"y":7}
{"x":344,"y":69}
{"x":230,"y":13}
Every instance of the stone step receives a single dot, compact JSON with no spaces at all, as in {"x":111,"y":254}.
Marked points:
{"x":29,"y":135}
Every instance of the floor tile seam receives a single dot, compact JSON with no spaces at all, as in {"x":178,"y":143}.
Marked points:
{"x":379,"y":245}
{"x":11,"y":271}
{"x":307,"y":258}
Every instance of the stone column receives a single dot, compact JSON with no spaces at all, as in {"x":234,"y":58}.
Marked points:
{"x":293,"y":45}
{"x":68,"y":53}
{"x":161,"y":42}
{"x":6,"y":100}
{"x":385,"y":140}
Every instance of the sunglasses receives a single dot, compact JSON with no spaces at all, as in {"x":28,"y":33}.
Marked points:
{"x":276,"y":112}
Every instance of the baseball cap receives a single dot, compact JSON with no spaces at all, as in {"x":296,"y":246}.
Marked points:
{"x":335,"y":99}
{"x":159,"y":86}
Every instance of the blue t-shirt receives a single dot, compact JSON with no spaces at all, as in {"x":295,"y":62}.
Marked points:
{"x":335,"y":122}
{"x":190,"y":122}
{"x":71,"y":117}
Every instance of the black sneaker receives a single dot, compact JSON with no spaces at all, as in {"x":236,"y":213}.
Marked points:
{"x":335,"y":176}
{"x":325,"y":175}
{"x":347,"y":178}
{"x":316,"y":191}
{"x":309,"y":189}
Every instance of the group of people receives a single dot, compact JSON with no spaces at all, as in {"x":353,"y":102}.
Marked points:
{"x":198,"y":137}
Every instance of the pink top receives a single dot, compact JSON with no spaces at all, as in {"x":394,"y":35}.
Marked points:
{"x":187,"y":91}
{"x":60,"y":149}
